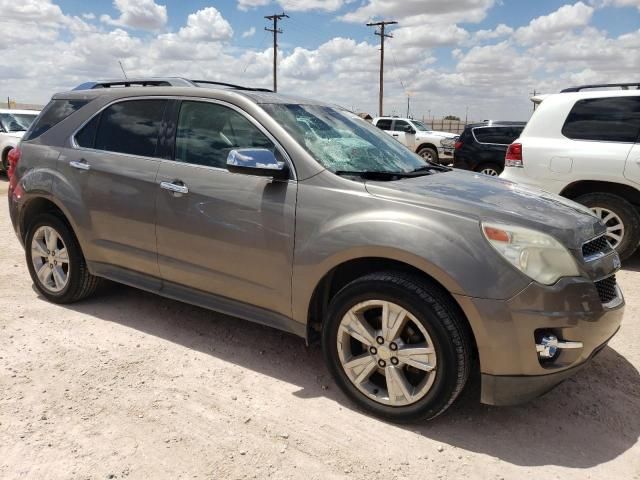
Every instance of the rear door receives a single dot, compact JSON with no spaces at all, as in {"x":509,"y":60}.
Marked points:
{"x":111,"y":174}
{"x":493,"y":143}
{"x":227,"y":234}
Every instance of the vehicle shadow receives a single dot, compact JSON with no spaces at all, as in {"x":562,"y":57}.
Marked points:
{"x":590,"y":419}
{"x":632,"y":264}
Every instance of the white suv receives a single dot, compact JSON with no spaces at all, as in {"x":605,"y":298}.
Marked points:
{"x":437,"y":147}
{"x":584,"y":146}
{"x":13,"y":124}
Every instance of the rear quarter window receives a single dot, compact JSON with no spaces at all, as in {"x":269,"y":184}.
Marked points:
{"x":498,"y":135}
{"x":51,"y":115}
{"x":611,"y":119}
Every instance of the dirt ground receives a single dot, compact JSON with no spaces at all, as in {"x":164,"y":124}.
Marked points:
{"x":131,"y":385}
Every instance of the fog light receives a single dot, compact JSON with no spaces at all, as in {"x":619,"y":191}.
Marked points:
{"x":549,"y":345}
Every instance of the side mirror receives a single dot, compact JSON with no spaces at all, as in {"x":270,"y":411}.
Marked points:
{"x":409,"y":129}
{"x":256,"y":161}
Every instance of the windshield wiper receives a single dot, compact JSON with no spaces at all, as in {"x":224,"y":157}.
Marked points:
{"x":380,"y":175}
{"x":432,"y":167}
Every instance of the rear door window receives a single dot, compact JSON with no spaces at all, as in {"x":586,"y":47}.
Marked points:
{"x":384,"y":124}
{"x":131,"y":127}
{"x":612,"y":119}
{"x":51,"y":115}
{"x":498,"y":135}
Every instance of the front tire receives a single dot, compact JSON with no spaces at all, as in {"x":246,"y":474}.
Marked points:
{"x":429,"y":154}
{"x":397,"y":345}
{"x":621,"y":218}
{"x":55,"y":261}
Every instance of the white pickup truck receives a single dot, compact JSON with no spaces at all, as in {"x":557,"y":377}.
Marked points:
{"x":436,"y":147}
{"x":13,"y":124}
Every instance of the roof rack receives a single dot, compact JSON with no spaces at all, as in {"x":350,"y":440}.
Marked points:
{"x":623,"y":86}
{"x":161,"y":82}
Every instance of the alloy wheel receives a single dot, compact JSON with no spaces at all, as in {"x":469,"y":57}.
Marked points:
{"x":386,"y":353}
{"x":614,"y":224}
{"x":489,"y":171}
{"x":50,"y":259}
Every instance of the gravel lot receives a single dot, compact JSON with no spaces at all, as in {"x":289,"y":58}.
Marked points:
{"x":131,"y":385}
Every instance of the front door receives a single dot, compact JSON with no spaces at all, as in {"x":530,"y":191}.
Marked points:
{"x":224,"y":233}
{"x":110,"y":186}
{"x":632,"y":168}
{"x":402,"y":135}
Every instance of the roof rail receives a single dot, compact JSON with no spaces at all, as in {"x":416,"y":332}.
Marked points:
{"x":231,"y":85}
{"x":161,"y":82}
{"x":623,"y":86}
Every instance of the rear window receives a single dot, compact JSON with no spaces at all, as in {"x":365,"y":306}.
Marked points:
{"x":613,"y":119}
{"x":499,"y":135}
{"x":384,"y":124}
{"x":53,"y":113}
{"x":129,"y":127}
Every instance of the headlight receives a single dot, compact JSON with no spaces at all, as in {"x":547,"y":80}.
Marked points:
{"x":536,"y":254}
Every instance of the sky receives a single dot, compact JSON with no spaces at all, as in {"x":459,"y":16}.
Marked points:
{"x":480,"y":58}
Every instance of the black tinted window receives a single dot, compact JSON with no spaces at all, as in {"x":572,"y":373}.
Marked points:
{"x":87,"y":136}
{"x":500,"y":135}
{"x":400,"y":126}
{"x":53,"y":113}
{"x":614,"y":119}
{"x":131,"y":127}
{"x":384,"y":124}
{"x":207,"y":132}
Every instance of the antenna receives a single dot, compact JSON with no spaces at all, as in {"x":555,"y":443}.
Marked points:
{"x":122,"y":68}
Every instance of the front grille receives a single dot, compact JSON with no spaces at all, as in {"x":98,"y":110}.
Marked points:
{"x":607,"y":289}
{"x":597,"y":245}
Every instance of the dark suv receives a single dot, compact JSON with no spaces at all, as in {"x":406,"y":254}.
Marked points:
{"x":482,"y":146}
{"x":304,"y":217}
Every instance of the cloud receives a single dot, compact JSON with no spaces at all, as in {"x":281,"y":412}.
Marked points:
{"x":138,"y":14}
{"x":616,"y":3}
{"x":555,"y":25}
{"x":429,"y":11}
{"x":206,"y":24}
{"x":500,"y":31}
{"x":249,"y":33}
{"x":309,"y":5}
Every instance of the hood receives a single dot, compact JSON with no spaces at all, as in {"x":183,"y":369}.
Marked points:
{"x":493,"y":199}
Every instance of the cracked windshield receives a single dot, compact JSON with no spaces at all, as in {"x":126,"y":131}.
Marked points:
{"x":342,"y":141}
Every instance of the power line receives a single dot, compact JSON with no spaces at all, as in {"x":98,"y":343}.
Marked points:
{"x":382,"y":36}
{"x":275,"y":30}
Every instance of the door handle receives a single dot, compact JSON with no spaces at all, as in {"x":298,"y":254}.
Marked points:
{"x":174,"y":187}
{"x":81,"y":165}
{"x":395,"y":135}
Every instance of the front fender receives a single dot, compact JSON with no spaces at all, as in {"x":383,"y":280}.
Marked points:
{"x":334,"y":227}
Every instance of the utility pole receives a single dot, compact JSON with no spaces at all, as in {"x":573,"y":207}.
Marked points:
{"x":533,"y":94}
{"x":275,"y":30}
{"x":408,"y":104}
{"x":382,"y":36}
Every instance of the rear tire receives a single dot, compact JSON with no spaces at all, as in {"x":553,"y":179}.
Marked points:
{"x":429,"y":154}
{"x":490,"y":169}
{"x":622,"y":220}
{"x":73,"y":281}
{"x":433,"y":322}
{"x":5,"y":161}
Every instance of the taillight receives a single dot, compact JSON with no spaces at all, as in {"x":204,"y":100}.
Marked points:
{"x":513,"y":158}
{"x":14,"y":158}
{"x":458,"y":145}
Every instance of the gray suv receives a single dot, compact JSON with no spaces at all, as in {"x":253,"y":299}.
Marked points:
{"x":302,"y":216}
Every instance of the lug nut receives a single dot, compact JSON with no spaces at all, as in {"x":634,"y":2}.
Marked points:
{"x":393,"y":346}
{"x":394,"y":360}
{"x":380,"y":340}
{"x":373,"y":350}
{"x":51,"y":265}
{"x":382,"y":363}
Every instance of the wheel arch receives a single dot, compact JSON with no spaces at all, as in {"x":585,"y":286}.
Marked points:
{"x":347,"y":271}
{"x":426,"y":145}
{"x":582,"y":187}
{"x":36,"y":205}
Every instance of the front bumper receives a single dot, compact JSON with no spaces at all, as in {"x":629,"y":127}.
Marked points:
{"x":505,"y":333}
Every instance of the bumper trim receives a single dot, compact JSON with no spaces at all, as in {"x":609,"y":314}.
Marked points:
{"x":504,"y":390}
